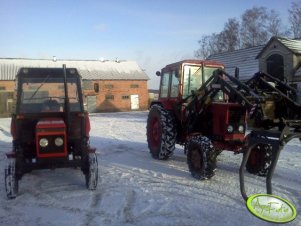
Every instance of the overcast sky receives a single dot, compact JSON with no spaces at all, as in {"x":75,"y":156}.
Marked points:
{"x":151,"y":32}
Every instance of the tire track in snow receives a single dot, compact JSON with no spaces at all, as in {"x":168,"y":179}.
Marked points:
{"x":91,"y":212}
{"x":165,"y":186}
{"x":127,"y":211}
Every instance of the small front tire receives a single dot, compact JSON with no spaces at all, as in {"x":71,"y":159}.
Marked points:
{"x":91,"y":175}
{"x":11,"y":181}
{"x":201,"y":157}
{"x":260,"y":160}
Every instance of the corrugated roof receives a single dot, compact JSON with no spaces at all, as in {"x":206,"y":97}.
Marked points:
{"x":292,"y":44}
{"x":244,"y":59}
{"x":88,"y":69}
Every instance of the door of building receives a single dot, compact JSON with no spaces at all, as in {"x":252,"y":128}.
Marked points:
{"x":275,"y":66}
{"x":91,"y":104}
{"x":135,"y":102}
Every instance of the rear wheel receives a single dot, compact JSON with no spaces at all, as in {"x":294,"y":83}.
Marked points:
{"x":260,"y":160}
{"x":201,"y":157}
{"x":161,"y":132}
{"x":11,"y":181}
{"x":91,"y":175}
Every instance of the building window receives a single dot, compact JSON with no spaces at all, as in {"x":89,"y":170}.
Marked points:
{"x":109,"y":97}
{"x":96,"y":87}
{"x":87,"y":85}
{"x":125,"y":97}
{"x":133,"y":86}
{"x":109,"y":86}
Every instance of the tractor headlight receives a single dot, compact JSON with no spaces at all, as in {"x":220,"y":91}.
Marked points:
{"x":230,"y":129}
{"x":241,"y":129}
{"x":43,"y":142}
{"x":59,"y":141}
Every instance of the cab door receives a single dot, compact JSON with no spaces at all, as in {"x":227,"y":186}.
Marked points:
{"x":169,"y":88}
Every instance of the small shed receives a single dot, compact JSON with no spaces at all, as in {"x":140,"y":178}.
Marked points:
{"x":281,"y":57}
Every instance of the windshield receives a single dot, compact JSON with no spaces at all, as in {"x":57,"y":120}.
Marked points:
{"x":47,"y":95}
{"x":208,"y":71}
{"x":192,"y":79}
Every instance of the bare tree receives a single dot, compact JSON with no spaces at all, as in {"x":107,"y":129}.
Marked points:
{"x":209,"y":44}
{"x":204,"y":50}
{"x":274,"y":24}
{"x":257,"y":26}
{"x":230,"y":35}
{"x":295,"y":18}
{"x":253,"y":27}
{"x":227,"y":40}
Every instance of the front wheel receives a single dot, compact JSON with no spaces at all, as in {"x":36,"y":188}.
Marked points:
{"x":91,"y":175}
{"x":260,"y":160}
{"x":11,"y":181}
{"x":201,"y":157}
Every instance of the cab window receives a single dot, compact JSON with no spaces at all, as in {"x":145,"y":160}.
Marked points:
{"x":174,"y":91}
{"x":164,"y":85}
{"x":192,"y":79}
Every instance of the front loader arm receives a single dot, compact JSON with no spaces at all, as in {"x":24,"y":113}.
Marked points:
{"x":251,"y":95}
{"x":235,"y":90}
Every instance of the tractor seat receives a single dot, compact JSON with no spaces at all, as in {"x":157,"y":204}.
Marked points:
{"x":51,"y":106}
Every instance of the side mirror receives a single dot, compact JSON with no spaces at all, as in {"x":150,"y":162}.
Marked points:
{"x":236,"y":73}
{"x":158,"y":73}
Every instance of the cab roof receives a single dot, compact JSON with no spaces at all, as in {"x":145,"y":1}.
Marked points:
{"x":193,"y":61}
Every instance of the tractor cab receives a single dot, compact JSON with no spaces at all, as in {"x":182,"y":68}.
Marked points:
{"x":180,"y":80}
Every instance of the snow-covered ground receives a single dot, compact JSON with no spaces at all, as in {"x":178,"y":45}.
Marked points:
{"x":135,"y":189}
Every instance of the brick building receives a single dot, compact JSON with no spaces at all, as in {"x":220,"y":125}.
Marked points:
{"x":107,"y":85}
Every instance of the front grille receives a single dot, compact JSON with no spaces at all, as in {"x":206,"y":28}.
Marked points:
{"x":236,"y":116}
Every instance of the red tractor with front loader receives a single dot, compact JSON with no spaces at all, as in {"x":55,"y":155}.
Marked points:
{"x":206,"y":110}
{"x":49,"y":126}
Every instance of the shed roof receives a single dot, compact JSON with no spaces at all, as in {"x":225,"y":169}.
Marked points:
{"x":244,"y":59}
{"x":292,"y":45}
{"x":88,"y":69}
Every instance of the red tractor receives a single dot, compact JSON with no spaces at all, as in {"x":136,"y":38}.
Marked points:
{"x":49,"y":126}
{"x":205,"y":109}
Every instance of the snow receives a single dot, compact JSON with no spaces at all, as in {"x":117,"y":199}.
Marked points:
{"x":135,"y":189}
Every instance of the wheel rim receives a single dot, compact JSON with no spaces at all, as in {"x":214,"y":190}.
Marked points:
{"x":256,"y":157}
{"x":196,"y":159}
{"x":155,"y":132}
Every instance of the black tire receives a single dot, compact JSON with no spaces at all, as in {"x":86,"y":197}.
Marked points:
{"x":91,"y":176}
{"x":201,"y":157}
{"x":11,"y":180}
{"x":161,"y":132}
{"x":260,"y":160}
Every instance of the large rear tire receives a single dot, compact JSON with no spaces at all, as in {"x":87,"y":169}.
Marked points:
{"x":11,"y":180}
{"x":161,"y":132}
{"x":91,"y":175}
{"x":201,"y":157}
{"x":260,"y":160}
